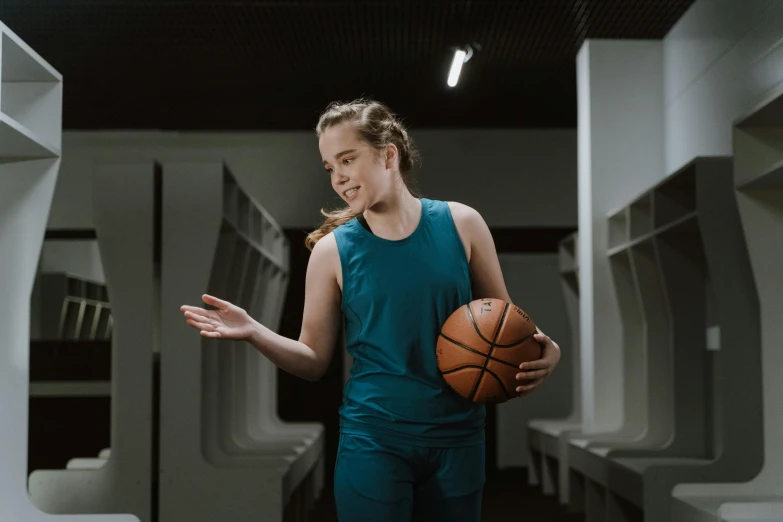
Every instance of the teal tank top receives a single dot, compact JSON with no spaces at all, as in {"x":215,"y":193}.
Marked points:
{"x":396,"y":297}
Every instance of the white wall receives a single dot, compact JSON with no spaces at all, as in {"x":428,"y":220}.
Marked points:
{"x":513,"y":177}
{"x":720,"y":60}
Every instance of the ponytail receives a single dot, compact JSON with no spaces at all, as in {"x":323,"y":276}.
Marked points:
{"x":333,"y":220}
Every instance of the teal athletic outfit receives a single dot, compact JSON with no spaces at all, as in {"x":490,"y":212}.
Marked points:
{"x":409,"y":445}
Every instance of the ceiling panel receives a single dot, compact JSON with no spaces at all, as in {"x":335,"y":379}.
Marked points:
{"x":242,"y":65}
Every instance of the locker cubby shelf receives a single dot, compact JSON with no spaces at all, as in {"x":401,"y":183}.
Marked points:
{"x":755,"y":488}
{"x":221,"y":397}
{"x":30,"y":102}
{"x":618,"y":228}
{"x":252,"y":224}
{"x":640,"y":215}
{"x":568,"y":253}
{"x":675,"y":197}
{"x":761,"y":167}
{"x":69,"y":307}
{"x":665,"y":247}
{"x":669,"y":204}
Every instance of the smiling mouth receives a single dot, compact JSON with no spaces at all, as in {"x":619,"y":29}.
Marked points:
{"x":351,"y":193}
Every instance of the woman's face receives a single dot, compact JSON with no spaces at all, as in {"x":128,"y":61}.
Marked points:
{"x":358,"y":173}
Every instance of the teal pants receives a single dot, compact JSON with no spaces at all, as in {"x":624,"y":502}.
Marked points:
{"x":381,"y":481}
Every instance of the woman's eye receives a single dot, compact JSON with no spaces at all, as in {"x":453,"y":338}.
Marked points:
{"x":347,"y":160}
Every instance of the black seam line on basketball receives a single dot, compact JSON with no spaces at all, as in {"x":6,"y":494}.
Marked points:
{"x":500,"y":381}
{"x":462,"y":368}
{"x":468,"y":348}
{"x":516,"y":343}
{"x":475,"y":326}
{"x":493,"y":374}
{"x":489,"y":354}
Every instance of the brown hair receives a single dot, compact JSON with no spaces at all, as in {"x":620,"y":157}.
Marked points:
{"x":377,"y":126}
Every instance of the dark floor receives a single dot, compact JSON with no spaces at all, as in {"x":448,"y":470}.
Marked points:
{"x":507,"y":498}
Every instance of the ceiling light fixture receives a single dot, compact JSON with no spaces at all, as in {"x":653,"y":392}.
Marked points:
{"x":460,"y":56}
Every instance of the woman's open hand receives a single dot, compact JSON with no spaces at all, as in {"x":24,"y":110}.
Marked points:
{"x":227,"y":322}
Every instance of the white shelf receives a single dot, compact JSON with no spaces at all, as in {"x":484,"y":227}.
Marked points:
{"x":19,"y":142}
{"x":767,"y":113}
{"x":30,"y":102}
{"x":276,"y":260}
{"x":251,"y":222}
{"x":619,"y":233}
{"x":568,"y":253}
{"x":641,"y":239}
{"x":21,"y":64}
{"x":768,"y":178}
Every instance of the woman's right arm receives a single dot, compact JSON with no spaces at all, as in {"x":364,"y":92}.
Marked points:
{"x":310,"y":356}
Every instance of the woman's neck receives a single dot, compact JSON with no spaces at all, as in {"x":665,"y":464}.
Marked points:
{"x":394,"y":218}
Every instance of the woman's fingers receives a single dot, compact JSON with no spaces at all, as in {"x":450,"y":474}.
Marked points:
{"x":203,"y":317}
{"x":536,"y":374}
{"x":200,"y":325}
{"x":214,"y":301}
{"x":199,"y":313}
{"x":542,"y":338}
{"x":539,"y":364}
{"x":525,"y":389}
{"x":206,"y":330}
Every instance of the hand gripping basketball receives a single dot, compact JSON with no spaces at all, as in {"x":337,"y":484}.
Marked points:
{"x":481,"y":347}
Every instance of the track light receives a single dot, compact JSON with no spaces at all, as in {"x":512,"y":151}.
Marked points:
{"x":456,"y":67}
{"x":460,"y":56}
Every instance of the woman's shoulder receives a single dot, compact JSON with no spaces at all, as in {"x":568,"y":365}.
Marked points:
{"x":462,"y":213}
{"x":456,"y":208}
{"x":326,"y":247}
{"x":464,"y":216}
{"x":468,"y":220}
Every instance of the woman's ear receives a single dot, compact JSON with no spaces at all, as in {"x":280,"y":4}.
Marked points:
{"x":392,"y":156}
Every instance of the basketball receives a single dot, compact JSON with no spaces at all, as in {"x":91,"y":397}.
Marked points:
{"x":481,"y":346}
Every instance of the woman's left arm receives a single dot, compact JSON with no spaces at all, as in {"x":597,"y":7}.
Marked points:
{"x":488,"y":283}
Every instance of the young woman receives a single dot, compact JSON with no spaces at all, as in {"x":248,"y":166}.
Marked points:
{"x":395,"y":266}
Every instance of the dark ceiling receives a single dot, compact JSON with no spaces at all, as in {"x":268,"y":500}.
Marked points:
{"x":243,"y":64}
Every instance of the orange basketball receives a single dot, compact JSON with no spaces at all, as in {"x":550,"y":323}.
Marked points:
{"x":481,"y":346}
